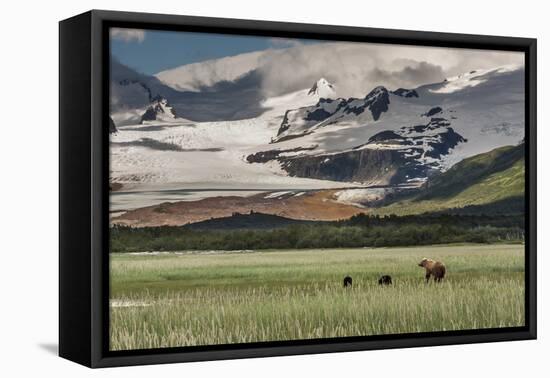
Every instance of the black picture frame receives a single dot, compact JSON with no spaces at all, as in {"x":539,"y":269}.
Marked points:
{"x":84,"y":191}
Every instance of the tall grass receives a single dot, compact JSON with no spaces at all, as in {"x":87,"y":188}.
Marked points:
{"x":199,"y":299}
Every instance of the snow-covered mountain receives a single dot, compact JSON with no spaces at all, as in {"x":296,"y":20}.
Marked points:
{"x":323,"y":89}
{"x":395,"y":137}
{"x":303,"y":121}
{"x":304,"y":140}
{"x":392,"y":157}
{"x":131,"y":93}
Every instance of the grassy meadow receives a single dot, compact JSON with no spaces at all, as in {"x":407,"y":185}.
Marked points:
{"x":201,"y":298}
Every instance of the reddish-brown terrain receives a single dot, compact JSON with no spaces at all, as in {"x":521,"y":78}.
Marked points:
{"x":318,"y":205}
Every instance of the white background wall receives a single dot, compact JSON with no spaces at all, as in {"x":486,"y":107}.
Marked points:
{"x":29,"y":188}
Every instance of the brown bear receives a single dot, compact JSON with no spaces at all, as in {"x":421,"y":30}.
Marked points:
{"x":433,"y":268}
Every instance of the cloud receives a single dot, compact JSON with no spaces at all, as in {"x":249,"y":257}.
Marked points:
{"x":356,"y":68}
{"x":195,"y":76}
{"x":128,"y":35}
{"x":411,"y":75}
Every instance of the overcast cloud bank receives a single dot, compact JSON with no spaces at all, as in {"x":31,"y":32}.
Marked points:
{"x":354,"y":68}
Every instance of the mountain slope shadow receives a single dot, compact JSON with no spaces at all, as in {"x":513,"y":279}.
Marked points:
{"x":224,"y":101}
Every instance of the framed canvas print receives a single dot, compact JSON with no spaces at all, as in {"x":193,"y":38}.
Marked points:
{"x":233,"y":188}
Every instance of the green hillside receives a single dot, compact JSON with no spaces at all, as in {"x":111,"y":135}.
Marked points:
{"x":494,"y":178}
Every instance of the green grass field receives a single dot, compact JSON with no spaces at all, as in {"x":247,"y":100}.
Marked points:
{"x":172,"y":300}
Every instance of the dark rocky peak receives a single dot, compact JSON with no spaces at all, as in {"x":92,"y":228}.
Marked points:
{"x":377,"y":92}
{"x":433,"y":111}
{"x":384,"y":136}
{"x":149,"y":115}
{"x":433,"y":124}
{"x":159,"y":98}
{"x":318,"y":114}
{"x":112,"y":126}
{"x":159,"y":108}
{"x":377,"y":101}
{"x":408,"y":93}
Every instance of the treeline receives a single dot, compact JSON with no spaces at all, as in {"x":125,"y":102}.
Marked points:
{"x":360,"y":231}
{"x":459,"y":220}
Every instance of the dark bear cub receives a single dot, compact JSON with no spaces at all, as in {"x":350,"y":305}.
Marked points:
{"x":347,"y":281}
{"x":384,"y":280}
